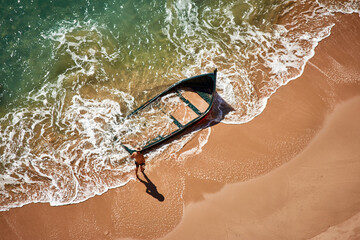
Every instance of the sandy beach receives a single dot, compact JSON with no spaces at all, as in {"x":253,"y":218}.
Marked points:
{"x":291,"y":173}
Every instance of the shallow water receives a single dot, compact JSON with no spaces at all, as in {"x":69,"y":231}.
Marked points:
{"x":72,"y":71}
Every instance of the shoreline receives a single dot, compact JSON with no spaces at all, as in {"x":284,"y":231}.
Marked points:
{"x":314,"y":191}
{"x":221,"y":191}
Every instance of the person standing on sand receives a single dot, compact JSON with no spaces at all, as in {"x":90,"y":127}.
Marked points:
{"x":139,"y":161}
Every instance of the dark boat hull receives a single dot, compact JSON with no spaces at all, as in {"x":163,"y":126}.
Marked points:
{"x":195,"y":97}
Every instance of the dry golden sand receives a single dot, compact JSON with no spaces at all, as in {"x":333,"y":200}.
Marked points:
{"x":291,"y":173}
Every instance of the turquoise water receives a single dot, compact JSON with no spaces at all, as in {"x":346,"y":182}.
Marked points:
{"x":43,"y":39}
{"x":71,"y":71}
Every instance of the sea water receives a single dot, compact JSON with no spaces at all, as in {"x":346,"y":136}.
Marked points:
{"x":72,"y":70}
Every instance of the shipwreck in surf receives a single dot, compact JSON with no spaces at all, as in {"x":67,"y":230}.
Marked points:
{"x":169,"y":113}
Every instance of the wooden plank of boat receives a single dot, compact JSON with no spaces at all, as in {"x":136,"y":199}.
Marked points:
{"x":180,"y":106}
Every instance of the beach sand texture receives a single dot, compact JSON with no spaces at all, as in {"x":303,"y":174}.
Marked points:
{"x":291,"y":173}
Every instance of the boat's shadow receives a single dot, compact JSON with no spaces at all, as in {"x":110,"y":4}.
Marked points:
{"x":218,"y":112}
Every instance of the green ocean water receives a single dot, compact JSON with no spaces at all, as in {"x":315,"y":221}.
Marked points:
{"x":32,"y":56}
{"x":71,"y":70}
{"x":39,"y":40}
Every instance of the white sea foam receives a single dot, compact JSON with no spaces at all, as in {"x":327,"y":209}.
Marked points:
{"x":346,"y":7}
{"x":202,"y":140}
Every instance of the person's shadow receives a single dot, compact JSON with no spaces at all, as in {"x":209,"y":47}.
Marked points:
{"x":151,"y":188}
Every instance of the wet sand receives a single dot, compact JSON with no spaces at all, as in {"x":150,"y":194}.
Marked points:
{"x":291,"y":173}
